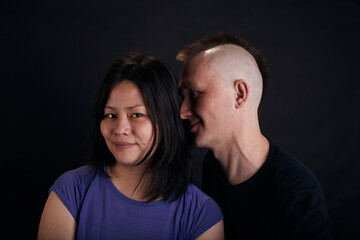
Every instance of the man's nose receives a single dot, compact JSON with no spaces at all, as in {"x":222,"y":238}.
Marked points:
{"x":185,"y":109}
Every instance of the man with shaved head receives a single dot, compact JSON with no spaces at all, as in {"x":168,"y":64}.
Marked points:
{"x":263,"y":191}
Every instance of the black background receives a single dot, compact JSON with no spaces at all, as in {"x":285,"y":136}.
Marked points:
{"x":55,"y":53}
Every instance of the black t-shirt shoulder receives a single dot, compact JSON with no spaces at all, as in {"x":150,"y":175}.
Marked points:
{"x":283,"y":200}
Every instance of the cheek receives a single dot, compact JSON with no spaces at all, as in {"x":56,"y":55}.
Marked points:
{"x":215,"y":107}
{"x":145,"y":133}
{"x":200,"y":105}
{"x":207,"y":105}
{"x":104,"y":128}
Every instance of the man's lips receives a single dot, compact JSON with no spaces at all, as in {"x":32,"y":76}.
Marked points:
{"x":123,"y":145}
{"x":194,"y":123}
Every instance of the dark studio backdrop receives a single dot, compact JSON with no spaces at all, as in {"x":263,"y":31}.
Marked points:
{"x":55,"y":53}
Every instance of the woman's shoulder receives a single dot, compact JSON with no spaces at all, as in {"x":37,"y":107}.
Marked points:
{"x":83,"y":172}
{"x":197,"y":197}
{"x":77,"y":179}
{"x":80,"y":175}
{"x":202,"y":209}
{"x":72,"y":186}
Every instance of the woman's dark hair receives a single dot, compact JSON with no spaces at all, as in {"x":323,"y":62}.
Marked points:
{"x":170,"y":164}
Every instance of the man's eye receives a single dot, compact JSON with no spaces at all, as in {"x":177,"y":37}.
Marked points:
{"x":194,"y":93}
{"x":136,"y":115}
{"x":110,"y":115}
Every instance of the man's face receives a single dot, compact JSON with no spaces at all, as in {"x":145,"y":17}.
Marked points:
{"x":207,"y":102}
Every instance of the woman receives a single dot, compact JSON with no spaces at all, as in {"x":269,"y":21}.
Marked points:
{"x":138,"y":185}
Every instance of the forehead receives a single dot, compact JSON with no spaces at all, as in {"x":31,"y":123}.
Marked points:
{"x":125,"y":91}
{"x":197,"y":72}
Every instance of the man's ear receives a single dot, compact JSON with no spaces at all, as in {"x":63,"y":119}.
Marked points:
{"x":242,"y":92}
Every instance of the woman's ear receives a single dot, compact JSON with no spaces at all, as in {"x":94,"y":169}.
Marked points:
{"x":241,"y":92}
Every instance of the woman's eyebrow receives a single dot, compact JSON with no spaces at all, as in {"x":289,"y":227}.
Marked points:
{"x":109,"y":107}
{"x":128,"y":108}
{"x":135,"y":106}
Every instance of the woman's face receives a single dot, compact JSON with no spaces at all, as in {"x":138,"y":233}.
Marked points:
{"x":127,"y":128}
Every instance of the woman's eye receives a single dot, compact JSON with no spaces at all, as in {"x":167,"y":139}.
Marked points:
{"x":136,"y":115}
{"x":110,"y":115}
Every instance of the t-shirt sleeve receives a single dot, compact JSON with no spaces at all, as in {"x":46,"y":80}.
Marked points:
{"x":304,"y":215}
{"x":70,"y":187}
{"x":206,"y":216}
{"x":301,"y":207}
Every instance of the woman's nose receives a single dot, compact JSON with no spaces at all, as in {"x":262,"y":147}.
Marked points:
{"x":122,"y":126}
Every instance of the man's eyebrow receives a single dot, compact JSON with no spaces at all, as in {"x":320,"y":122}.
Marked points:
{"x":184,"y":85}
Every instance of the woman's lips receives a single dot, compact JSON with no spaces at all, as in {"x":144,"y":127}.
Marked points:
{"x":123,"y":145}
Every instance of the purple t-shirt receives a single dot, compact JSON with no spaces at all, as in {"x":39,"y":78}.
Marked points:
{"x":103,"y":212}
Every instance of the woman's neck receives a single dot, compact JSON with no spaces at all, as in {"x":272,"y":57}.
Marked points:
{"x":130,"y":181}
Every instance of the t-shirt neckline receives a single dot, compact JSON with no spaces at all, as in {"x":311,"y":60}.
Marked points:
{"x":123,"y":197}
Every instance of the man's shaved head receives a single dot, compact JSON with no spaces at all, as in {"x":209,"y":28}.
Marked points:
{"x":246,"y":62}
{"x":235,"y":63}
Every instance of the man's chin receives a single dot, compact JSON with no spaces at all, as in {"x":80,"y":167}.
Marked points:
{"x":199,"y":141}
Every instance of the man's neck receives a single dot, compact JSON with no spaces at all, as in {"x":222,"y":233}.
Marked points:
{"x":242,"y":158}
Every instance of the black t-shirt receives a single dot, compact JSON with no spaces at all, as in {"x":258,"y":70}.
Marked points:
{"x":283,"y":200}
